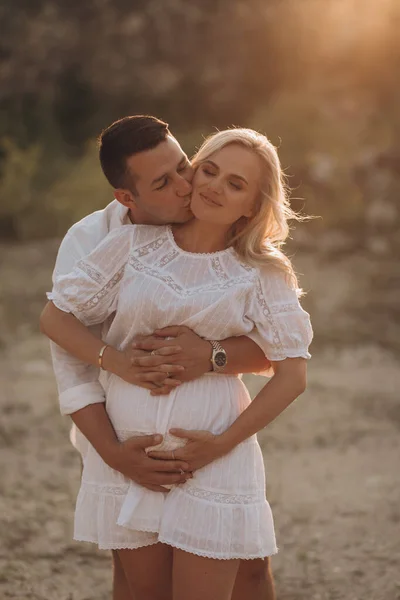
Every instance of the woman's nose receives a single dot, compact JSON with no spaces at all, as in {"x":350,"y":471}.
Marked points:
{"x":215,"y":186}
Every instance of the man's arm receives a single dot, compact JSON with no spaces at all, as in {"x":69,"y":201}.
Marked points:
{"x":244,"y":355}
{"x":130,"y":457}
{"x":82,"y":396}
{"x":79,"y":341}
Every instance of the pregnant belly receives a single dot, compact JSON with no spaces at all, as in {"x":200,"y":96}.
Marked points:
{"x":211,"y":402}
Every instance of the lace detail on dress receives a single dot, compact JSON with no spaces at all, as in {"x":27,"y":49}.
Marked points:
{"x":181,"y":291}
{"x":218,"y":270}
{"x":91,"y":272}
{"x":246,"y":267}
{"x":111,"y":490}
{"x":267,"y":314}
{"x":284,"y":308}
{"x":101,"y":293}
{"x":151,"y":247}
{"x":167,"y":258}
{"x":141,"y":268}
{"x":221,"y":498}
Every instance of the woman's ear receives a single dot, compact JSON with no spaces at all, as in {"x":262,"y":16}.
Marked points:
{"x":249,"y":213}
{"x":125,"y":197}
{"x":253,"y":210}
{"x":240,"y":224}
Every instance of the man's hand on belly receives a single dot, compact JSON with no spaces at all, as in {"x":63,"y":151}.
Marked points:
{"x":130,"y":459}
{"x":185,"y":348}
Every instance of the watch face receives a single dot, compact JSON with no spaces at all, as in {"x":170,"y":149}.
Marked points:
{"x":220,"y":359}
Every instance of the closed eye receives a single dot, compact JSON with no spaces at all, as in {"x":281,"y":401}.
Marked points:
{"x":164,"y":183}
{"x":207,"y":172}
{"x":235,"y":185}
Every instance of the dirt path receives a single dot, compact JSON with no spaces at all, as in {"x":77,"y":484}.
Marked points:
{"x":333,"y":482}
{"x":332,"y":463}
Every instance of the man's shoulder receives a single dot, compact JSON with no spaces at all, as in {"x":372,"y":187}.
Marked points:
{"x":83,"y":237}
{"x":98,"y":222}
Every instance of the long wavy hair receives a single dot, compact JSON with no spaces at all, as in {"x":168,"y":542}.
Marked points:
{"x":258,"y":239}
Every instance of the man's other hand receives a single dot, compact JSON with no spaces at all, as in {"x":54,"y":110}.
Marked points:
{"x":130,"y":459}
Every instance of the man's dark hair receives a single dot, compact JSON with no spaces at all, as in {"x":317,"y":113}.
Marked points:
{"x":124,"y":138}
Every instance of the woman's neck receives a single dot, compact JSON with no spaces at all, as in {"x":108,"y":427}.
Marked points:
{"x":200,"y":236}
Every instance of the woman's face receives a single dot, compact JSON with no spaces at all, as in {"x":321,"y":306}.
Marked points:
{"x":226,"y":185}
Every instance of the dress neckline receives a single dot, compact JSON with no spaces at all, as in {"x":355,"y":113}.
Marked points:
{"x":171,"y":237}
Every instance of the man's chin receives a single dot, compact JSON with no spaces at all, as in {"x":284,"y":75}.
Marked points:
{"x":188,"y":216}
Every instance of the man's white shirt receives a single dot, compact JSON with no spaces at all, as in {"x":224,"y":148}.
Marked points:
{"x":78,"y":383}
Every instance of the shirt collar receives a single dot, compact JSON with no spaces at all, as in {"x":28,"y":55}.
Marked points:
{"x":119,"y":215}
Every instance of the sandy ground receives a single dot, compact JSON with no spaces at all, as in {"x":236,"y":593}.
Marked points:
{"x":332,"y":459}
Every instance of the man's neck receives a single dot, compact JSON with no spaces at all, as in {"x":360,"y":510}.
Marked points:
{"x":140,"y":217}
{"x":131,"y":217}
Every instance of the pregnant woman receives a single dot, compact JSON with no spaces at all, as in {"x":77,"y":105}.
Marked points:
{"x":222,"y":274}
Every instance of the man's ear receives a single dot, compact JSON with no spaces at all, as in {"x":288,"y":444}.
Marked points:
{"x":125,"y":197}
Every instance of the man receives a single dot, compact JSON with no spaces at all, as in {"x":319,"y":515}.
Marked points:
{"x":151,"y":177}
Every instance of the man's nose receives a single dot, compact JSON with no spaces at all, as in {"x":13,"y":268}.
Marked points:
{"x":184,"y":188}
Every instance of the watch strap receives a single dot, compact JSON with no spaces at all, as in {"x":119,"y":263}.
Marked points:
{"x":216,"y":346}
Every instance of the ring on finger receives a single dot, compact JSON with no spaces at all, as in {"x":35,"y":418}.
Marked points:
{"x":168,"y":374}
{"x":153,"y":352}
{"x":181,"y":471}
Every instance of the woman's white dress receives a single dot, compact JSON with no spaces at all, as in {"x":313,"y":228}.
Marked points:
{"x":139,"y":273}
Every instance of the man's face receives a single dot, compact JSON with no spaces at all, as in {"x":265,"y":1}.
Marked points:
{"x":163,"y":178}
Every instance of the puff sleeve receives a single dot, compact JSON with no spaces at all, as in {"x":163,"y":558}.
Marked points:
{"x":282,"y":328}
{"x":90,"y":290}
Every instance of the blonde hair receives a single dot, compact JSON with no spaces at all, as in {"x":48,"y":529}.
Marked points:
{"x":258,"y":239}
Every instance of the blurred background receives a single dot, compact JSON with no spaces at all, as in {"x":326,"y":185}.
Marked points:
{"x":321,"y":79}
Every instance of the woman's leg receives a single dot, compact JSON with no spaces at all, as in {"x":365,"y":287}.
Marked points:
{"x":254,"y":580}
{"x":148,"y":571}
{"x":199,"y":578}
{"x":121,"y":589}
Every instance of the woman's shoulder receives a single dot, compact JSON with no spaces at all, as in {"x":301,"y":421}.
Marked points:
{"x":276,"y":283}
{"x":267,"y":273}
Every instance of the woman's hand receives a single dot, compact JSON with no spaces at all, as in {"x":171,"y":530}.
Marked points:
{"x":159,"y":376}
{"x":202,"y":448}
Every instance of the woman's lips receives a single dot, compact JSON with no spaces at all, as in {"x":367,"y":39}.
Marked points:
{"x":208,"y":200}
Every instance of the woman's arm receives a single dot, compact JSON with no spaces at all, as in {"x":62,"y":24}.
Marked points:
{"x":286,"y":385}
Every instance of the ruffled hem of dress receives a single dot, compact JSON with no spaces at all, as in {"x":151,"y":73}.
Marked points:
{"x":214,"y":525}
{"x":218,"y":527}
{"x":216,"y":556}
{"x":114,"y":546}
{"x":96,"y":520}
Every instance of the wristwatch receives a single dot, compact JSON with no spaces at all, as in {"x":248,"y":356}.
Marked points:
{"x":219,"y":359}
